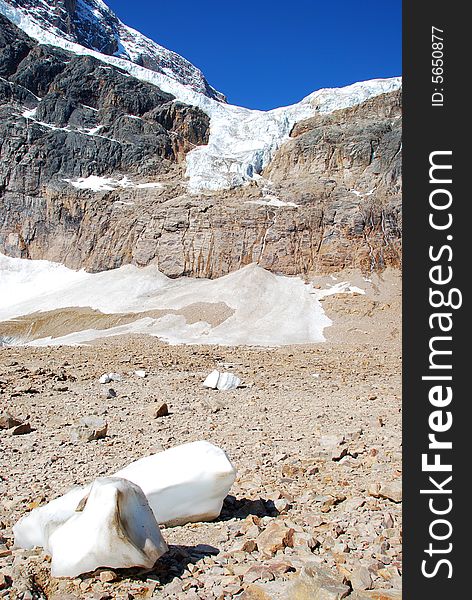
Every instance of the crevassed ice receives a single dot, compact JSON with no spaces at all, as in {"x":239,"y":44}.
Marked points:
{"x":242,"y":141}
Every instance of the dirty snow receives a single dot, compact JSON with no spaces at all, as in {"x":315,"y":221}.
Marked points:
{"x":268,"y":309}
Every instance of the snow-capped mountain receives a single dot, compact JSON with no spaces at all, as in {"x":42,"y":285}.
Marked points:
{"x":242,"y":141}
{"x":104,"y":161}
{"x":92,"y":24}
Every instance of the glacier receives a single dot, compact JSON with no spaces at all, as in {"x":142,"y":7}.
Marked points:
{"x":264,"y":309}
{"x":242,"y":141}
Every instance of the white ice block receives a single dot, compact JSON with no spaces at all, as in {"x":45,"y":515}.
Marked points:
{"x":212,"y":380}
{"x":36,"y":527}
{"x":221,"y":381}
{"x":112,"y":527}
{"x":228,"y":381}
{"x":184,"y":484}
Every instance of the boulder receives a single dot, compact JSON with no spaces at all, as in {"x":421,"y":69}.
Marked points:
{"x":89,"y":429}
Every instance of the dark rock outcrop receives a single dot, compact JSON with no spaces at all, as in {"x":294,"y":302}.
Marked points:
{"x":64,"y":116}
{"x":92,"y":24}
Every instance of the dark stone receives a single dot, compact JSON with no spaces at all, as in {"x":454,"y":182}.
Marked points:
{"x":14,"y":47}
{"x":79,"y":94}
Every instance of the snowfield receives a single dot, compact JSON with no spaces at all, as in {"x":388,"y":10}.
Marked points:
{"x":100,"y":184}
{"x":264,"y":309}
{"x":242,"y":141}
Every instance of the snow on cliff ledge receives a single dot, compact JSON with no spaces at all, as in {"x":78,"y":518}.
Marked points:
{"x":242,"y":141}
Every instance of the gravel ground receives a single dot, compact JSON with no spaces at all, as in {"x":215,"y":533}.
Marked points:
{"x":315,"y":433}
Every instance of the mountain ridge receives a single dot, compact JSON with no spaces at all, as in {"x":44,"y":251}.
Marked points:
{"x":93,"y":25}
{"x":104,"y":162}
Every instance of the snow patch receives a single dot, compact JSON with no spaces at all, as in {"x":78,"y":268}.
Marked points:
{"x":272,"y":201}
{"x":268,"y":309}
{"x":362,"y":194}
{"x":339,"y":288}
{"x":102,"y":184}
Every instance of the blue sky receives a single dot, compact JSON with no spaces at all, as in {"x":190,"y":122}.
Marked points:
{"x":263,"y":54}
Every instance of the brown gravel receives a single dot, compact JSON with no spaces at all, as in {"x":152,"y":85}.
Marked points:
{"x":315,"y":434}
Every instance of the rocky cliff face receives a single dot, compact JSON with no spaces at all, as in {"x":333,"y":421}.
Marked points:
{"x":92,"y":24}
{"x":348,"y":165}
{"x":91,"y":175}
{"x":66,"y":116}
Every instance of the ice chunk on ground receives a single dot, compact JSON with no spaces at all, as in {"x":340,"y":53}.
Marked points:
{"x":228,"y":381}
{"x":221,"y":381}
{"x":184,"y":484}
{"x":35,"y":528}
{"x":112,"y":527}
{"x":212,"y":380}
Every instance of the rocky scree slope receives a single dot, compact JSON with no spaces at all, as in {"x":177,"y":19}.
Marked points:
{"x":91,"y":175}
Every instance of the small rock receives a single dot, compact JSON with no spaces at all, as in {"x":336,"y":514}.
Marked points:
{"x":280,"y":456}
{"x":305,"y":540}
{"x":361,"y":578}
{"x":111,"y":393}
{"x":317,"y":583}
{"x":88,"y":429}
{"x":329,"y":501}
{"x":256,"y":573}
{"x":22,"y":429}
{"x":107,"y":576}
{"x":5,"y":581}
{"x":7,"y":421}
{"x":275,"y":536}
{"x":141,"y":373}
{"x":388,"y":521}
{"x":282,"y":505}
{"x":338,"y":453}
{"x":272,"y":590}
{"x":391,"y":491}
{"x":156,"y":411}
{"x":60,"y":388}
{"x":105,"y":378}
{"x":24,"y":389}
{"x":4,"y":551}
{"x":245,"y":546}
{"x":373,"y":489}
